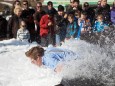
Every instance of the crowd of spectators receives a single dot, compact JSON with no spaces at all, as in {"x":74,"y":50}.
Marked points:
{"x":51,"y":26}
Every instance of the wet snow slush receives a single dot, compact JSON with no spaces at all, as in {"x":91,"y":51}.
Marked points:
{"x":94,"y":67}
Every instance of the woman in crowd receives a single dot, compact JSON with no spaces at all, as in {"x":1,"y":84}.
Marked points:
{"x":13,"y":23}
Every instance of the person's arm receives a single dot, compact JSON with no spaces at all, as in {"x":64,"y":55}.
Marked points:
{"x":59,"y":68}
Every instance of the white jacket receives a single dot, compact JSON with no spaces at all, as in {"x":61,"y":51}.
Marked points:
{"x":23,"y":35}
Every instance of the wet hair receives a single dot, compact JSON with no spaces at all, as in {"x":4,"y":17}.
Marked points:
{"x":34,"y":52}
{"x":60,"y":8}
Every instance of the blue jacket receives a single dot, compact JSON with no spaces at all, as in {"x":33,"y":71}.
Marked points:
{"x":72,"y":29}
{"x":54,"y":56}
{"x":99,"y":26}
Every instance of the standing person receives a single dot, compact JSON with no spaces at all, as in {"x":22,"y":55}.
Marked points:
{"x":99,"y":24}
{"x":50,"y":8}
{"x":47,"y":29}
{"x":27,"y":15}
{"x":22,"y":33}
{"x":69,"y":6}
{"x":60,"y":25}
{"x":13,"y":23}
{"x":3,"y":27}
{"x":84,"y":24}
{"x":104,"y":9}
{"x":72,"y":27}
{"x":90,"y":11}
{"x":113,"y":13}
{"x":15,"y":3}
{"x":75,"y":6}
{"x":37,"y":17}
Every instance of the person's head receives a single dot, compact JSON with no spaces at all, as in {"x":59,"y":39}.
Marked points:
{"x":86,"y":5}
{"x":50,"y":13}
{"x":71,"y":3}
{"x":16,"y":3}
{"x":83,"y":15}
{"x":77,"y":14}
{"x":36,"y":53}
{"x":22,"y":24}
{"x":50,"y":5}
{"x":76,"y":3}
{"x":39,"y":6}
{"x":25,"y":4}
{"x":100,"y":18}
{"x":70,"y":18}
{"x":18,"y":11}
{"x":103,"y":2}
{"x":60,"y":10}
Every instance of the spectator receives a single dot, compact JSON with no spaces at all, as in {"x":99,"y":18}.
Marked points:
{"x":37,"y":17}
{"x":27,"y":15}
{"x":113,"y":13}
{"x":69,"y":6}
{"x":47,"y":29}
{"x":72,"y":27}
{"x":99,"y":24}
{"x":75,"y":6}
{"x":90,"y":11}
{"x":13,"y":23}
{"x":22,"y":33}
{"x":3,"y":27}
{"x":15,"y":3}
{"x":61,"y":24}
{"x":84,"y":24}
{"x":104,"y":9}
{"x":50,"y":7}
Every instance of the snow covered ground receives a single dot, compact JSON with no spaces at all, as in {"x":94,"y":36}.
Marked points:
{"x":17,"y":70}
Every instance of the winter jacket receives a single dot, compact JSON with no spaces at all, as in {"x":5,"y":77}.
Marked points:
{"x":3,"y":27}
{"x":13,"y":25}
{"x":23,"y":34}
{"x":72,"y":29}
{"x":99,"y":26}
{"x":44,"y":28}
{"x":105,"y":11}
{"x":113,"y":15}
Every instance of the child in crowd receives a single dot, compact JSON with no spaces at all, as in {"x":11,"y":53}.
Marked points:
{"x":22,"y":33}
{"x":72,"y":27}
{"x":84,"y":24}
{"x":99,"y":24}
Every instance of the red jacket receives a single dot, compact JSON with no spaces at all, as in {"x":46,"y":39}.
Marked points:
{"x":44,"y":28}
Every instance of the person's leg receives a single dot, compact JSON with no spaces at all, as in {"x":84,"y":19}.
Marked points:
{"x":57,"y":40}
{"x":44,"y":42}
